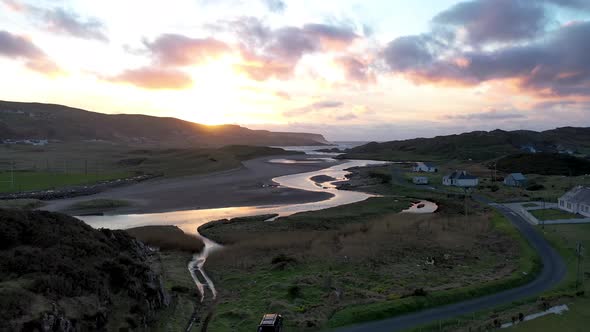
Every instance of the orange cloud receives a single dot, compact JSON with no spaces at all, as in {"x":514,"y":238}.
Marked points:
{"x":179,"y":50}
{"x":18,"y":47}
{"x":153,"y":78}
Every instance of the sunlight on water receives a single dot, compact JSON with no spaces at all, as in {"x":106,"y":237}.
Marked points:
{"x":190,"y":220}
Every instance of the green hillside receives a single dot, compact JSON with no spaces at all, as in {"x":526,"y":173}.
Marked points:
{"x":544,"y":164}
{"x":62,"y":123}
{"x":477,"y":145}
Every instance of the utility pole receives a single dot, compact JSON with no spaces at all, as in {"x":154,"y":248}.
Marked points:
{"x":579,"y":249}
{"x":466,"y":191}
{"x":12,"y":175}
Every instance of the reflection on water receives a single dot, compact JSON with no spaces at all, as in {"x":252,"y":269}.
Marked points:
{"x":305,"y":161}
{"x":313,"y":149}
{"x":422,"y":207}
{"x":190,"y":220}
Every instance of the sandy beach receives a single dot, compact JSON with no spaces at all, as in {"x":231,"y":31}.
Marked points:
{"x":248,"y":185}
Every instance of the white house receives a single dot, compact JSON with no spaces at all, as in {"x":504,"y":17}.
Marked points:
{"x":515,"y":180}
{"x":460,"y":179}
{"x":576,"y":200}
{"x":424,"y":167}
{"x":420,"y":180}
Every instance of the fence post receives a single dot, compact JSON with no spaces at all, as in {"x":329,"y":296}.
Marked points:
{"x":12,"y":175}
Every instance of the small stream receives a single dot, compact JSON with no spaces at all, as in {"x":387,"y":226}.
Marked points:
{"x":190,"y":220}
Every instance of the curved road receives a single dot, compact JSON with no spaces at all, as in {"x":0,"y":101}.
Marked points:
{"x":552,"y":273}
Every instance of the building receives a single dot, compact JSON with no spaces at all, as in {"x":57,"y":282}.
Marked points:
{"x":424,"y":167}
{"x":515,"y":180}
{"x":460,"y":179}
{"x":576,"y":200}
{"x":420,"y":180}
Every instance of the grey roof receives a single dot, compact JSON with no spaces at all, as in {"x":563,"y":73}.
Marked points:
{"x":429,"y":165}
{"x":518,"y":176}
{"x":578,"y":194}
{"x":461,"y":175}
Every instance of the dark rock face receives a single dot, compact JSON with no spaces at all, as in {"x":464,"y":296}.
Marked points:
{"x":59,"y":274}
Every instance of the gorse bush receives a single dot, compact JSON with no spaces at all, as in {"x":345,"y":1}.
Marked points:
{"x":59,"y":259}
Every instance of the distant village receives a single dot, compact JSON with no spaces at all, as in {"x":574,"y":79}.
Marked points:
{"x":575,"y":201}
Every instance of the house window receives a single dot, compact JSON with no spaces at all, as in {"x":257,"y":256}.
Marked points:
{"x":569,"y":205}
{"x":561,"y":203}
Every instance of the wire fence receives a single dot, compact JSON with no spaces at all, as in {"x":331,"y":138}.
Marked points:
{"x":27,"y":175}
{"x":63,"y":166}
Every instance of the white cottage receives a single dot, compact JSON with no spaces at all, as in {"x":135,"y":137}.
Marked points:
{"x":576,"y":200}
{"x":460,"y":179}
{"x":424,"y":167}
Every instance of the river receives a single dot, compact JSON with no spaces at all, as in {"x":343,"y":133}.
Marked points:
{"x":190,"y":220}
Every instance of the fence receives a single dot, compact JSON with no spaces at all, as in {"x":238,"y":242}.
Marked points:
{"x":26,"y":175}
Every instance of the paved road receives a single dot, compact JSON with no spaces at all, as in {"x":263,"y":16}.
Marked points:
{"x":553,"y":272}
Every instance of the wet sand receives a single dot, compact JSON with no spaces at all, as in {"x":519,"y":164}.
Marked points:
{"x":248,"y":185}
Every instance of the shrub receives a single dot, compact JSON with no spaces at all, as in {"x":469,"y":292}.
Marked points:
{"x":535,"y":187}
{"x":293,"y":292}
{"x":282,"y":258}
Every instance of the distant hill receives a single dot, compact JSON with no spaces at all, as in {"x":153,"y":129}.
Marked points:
{"x":545,"y":164}
{"x":477,"y":145}
{"x":57,"y":122}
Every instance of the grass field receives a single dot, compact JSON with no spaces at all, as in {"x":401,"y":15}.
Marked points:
{"x":178,"y":282}
{"x":59,"y":165}
{"x":25,"y":204}
{"x":357,"y":262}
{"x":553,"y":214}
{"x":553,"y":187}
{"x":564,"y":238}
{"x":574,"y":320}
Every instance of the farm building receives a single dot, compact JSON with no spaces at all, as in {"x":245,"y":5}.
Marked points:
{"x":424,"y":167}
{"x":420,"y":180}
{"x":515,"y":180}
{"x":460,"y":179}
{"x":576,"y":200}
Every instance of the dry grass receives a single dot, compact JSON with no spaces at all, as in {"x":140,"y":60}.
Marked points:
{"x":356,"y":242}
{"x":308,"y":274}
{"x":167,"y":238}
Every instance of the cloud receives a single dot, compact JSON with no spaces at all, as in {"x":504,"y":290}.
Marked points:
{"x":355,"y":69}
{"x":573,"y":4}
{"x":410,"y":52}
{"x":274,"y":53}
{"x":322,"y":105}
{"x":346,"y":117}
{"x":282,"y":95}
{"x":488,"y":115}
{"x":275,"y":6}
{"x":486,"y":21}
{"x":553,"y":66}
{"x":61,"y":21}
{"x":327,"y":104}
{"x":179,"y":50}
{"x":154,"y":78}
{"x":17,"y":47}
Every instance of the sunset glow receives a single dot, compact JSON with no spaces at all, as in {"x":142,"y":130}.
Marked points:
{"x":331,"y":67}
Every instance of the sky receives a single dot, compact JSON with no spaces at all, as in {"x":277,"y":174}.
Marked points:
{"x":348,"y":69}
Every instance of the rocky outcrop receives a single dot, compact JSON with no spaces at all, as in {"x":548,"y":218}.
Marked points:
{"x":59,"y":274}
